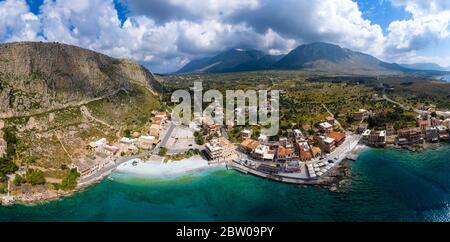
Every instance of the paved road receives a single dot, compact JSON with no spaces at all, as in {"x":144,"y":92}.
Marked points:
{"x":385,"y":97}
{"x":338,"y":155}
{"x":225,"y":133}
{"x":164,"y":140}
{"x":105,"y":171}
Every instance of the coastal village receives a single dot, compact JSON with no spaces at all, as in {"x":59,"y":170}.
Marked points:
{"x":299,"y":156}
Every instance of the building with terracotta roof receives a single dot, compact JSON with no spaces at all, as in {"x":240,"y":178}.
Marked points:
{"x":316,"y":152}
{"x":338,"y":137}
{"x":304,"y":151}
{"x":248,"y":145}
{"x":409,"y":136}
{"x":156,"y":120}
{"x":154,"y":130}
{"x":305,"y":156}
{"x":211,"y":129}
{"x":161,"y":115}
{"x":285,"y":154}
{"x":423,"y":124}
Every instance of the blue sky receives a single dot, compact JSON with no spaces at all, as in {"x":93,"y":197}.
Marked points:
{"x":166,"y":34}
{"x":382,"y":12}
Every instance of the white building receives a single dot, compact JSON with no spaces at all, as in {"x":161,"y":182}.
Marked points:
{"x":246,"y":134}
{"x":127,"y":141}
{"x":298,"y":133}
{"x":263,"y":138}
{"x":98,"y":144}
{"x":365,"y":135}
{"x":146,"y":142}
{"x":219,"y":148}
{"x":443,"y":133}
{"x":263,"y":152}
{"x":325,"y":126}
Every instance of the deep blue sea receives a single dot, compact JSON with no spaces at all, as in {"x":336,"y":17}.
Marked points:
{"x":387,"y":185}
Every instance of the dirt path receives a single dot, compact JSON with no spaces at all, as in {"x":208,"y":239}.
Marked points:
{"x":62,"y":145}
{"x":59,"y":107}
{"x":332,"y":115}
{"x":86,"y":113}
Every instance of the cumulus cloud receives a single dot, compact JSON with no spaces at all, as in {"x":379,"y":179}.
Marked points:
{"x":17,"y":22}
{"x":193,"y":10}
{"x":429,"y":23}
{"x":336,"y":21}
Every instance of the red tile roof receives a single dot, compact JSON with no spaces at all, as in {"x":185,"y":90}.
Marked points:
{"x":336,"y":136}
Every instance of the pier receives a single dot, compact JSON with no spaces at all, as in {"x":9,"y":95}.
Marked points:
{"x":353,"y":157}
{"x":247,"y":170}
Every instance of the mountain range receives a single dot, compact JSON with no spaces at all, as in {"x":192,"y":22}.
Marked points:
{"x":318,"y":56}
{"x":426,"y":67}
{"x":233,"y":60}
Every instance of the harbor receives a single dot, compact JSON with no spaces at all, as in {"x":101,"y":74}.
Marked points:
{"x":414,"y":186}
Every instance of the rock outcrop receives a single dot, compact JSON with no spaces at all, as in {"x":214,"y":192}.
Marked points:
{"x":37,"y":77}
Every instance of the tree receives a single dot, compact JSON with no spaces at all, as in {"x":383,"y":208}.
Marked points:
{"x":200,"y":140}
{"x":127,"y":133}
{"x":7,"y":165}
{"x":162,"y":151}
{"x":18,"y":180}
{"x":3,"y":188}
{"x":69,"y":181}
{"x":34,"y":177}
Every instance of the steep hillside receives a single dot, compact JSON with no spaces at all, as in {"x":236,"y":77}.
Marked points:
{"x":316,"y":57}
{"x":38,"y":77}
{"x":332,"y":58}
{"x":232,"y":61}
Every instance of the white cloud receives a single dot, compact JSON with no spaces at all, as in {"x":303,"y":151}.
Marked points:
{"x":165,"y":34}
{"x":429,"y":23}
{"x":170,"y":10}
{"x":16,"y":22}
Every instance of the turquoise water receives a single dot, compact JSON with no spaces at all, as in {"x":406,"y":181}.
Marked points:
{"x":387,"y":185}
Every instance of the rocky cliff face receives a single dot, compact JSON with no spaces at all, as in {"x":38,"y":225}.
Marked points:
{"x":37,"y":77}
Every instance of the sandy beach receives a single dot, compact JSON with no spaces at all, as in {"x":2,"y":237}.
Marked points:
{"x":161,"y":169}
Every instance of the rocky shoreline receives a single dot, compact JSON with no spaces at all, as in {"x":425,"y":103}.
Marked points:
{"x":338,"y":179}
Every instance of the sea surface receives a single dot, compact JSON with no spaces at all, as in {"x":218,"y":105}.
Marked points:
{"x":387,"y":185}
{"x":446,"y":78}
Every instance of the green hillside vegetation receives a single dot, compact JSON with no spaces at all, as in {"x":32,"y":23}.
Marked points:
{"x":304,"y":95}
{"x":41,"y":137}
{"x":32,"y":177}
{"x":7,"y":164}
